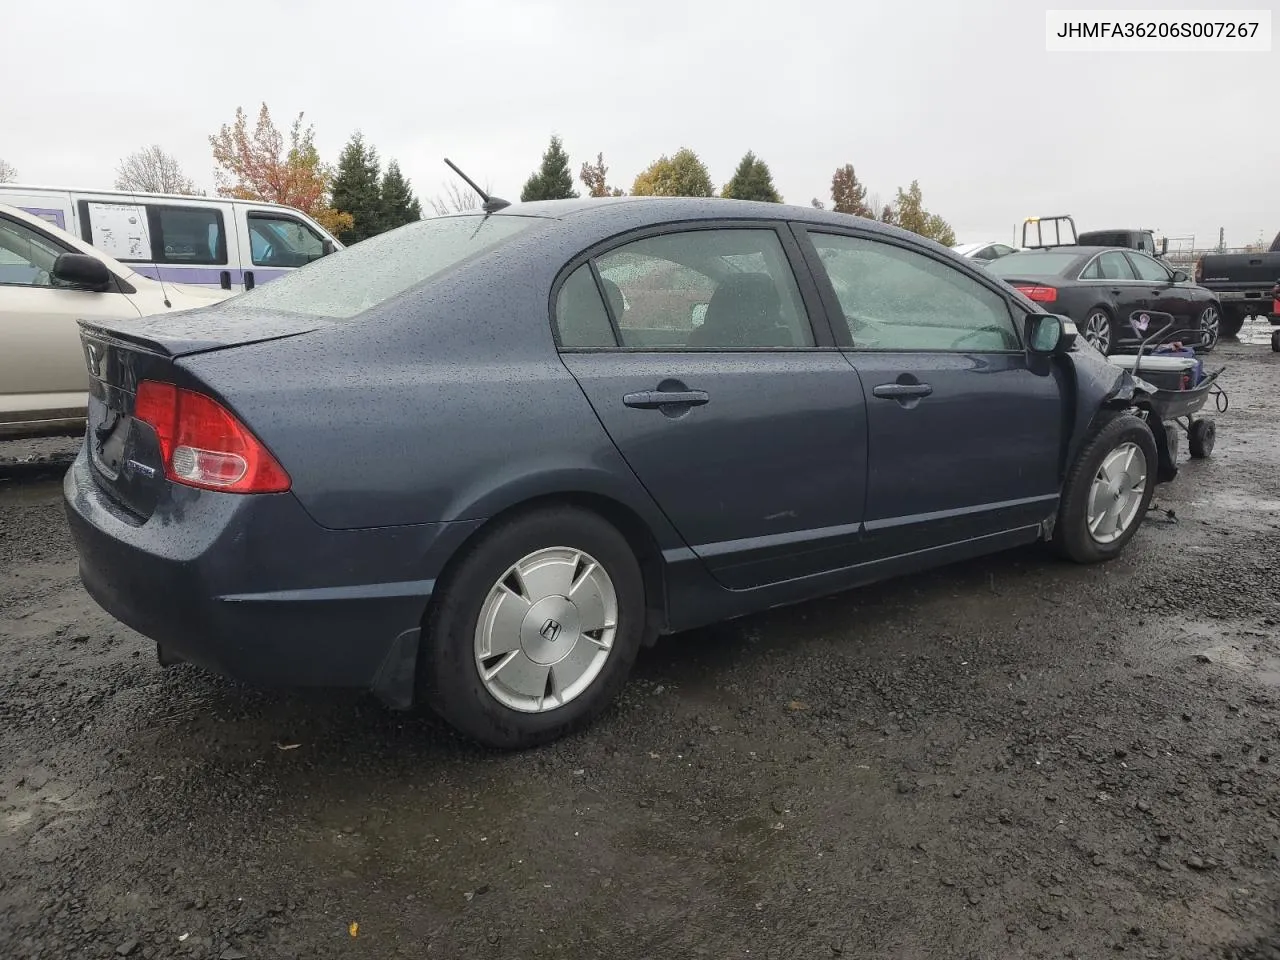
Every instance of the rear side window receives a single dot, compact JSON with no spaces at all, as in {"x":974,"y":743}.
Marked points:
{"x":365,"y":274}
{"x":728,"y":289}
{"x":188,"y":235}
{"x":581,"y":318}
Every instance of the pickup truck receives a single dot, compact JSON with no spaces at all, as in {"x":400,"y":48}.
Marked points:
{"x":1243,"y":283}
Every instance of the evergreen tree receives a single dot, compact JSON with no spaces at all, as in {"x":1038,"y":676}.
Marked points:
{"x":399,"y":205}
{"x":751,"y":181}
{"x":553,"y":180}
{"x":356,"y":190}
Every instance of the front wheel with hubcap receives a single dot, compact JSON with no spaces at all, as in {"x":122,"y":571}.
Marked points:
{"x":1209,"y":324}
{"x":535,"y":630}
{"x":1107,"y":492}
{"x":1097,"y":330}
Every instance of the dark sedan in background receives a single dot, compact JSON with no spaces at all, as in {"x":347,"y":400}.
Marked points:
{"x":1100,"y":287}
{"x":479,"y":461}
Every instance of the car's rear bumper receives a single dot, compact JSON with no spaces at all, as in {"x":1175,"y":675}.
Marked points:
{"x":252,"y":588}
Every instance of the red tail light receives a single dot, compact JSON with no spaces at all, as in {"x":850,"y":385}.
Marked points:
{"x":1040,"y":294}
{"x":203,"y":444}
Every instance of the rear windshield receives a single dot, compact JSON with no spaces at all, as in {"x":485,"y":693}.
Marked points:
{"x":359,"y":277}
{"x":1032,"y":264}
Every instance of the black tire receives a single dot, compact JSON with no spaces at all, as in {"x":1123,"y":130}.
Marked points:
{"x":1232,"y":323}
{"x":449,"y":680}
{"x":1071,"y":536}
{"x":1275,"y":340}
{"x":1200,"y":438}
{"x":1112,"y":334}
{"x":1209,"y":326}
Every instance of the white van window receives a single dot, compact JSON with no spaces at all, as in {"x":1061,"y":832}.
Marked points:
{"x":26,"y":258}
{"x":188,"y":235}
{"x":278,"y":241}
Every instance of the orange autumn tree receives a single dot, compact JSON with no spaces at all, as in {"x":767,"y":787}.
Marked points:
{"x":260,"y":166}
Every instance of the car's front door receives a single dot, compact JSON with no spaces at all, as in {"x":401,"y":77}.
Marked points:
{"x":1163,"y":294}
{"x":965,"y":430}
{"x":738,"y":415}
{"x":42,"y":367}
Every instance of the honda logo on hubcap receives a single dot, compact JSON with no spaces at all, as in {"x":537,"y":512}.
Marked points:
{"x":550,"y":631}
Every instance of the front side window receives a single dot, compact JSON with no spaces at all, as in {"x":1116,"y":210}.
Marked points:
{"x":895,"y":299}
{"x":188,"y":235}
{"x":728,"y":289}
{"x":276,"y":241}
{"x":1148,"y":269}
{"x":26,"y":257}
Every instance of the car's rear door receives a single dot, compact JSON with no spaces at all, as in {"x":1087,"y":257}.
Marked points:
{"x":965,"y":430}
{"x":739,"y":415}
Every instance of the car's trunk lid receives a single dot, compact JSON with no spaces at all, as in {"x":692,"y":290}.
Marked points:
{"x":124,"y":452}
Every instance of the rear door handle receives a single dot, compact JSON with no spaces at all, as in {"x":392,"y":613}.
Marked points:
{"x":1116,"y":291}
{"x":899,"y":391}
{"x":224,"y":279}
{"x":653,"y":399}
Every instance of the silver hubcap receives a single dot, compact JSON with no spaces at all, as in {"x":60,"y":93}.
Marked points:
{"x":1097,"y":330}
{"x":1116,"y":494}
{"x":1209,"y":327}
{"x":546,"y":629}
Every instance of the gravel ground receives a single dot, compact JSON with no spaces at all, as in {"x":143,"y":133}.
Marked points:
{"x":1009,"y":758}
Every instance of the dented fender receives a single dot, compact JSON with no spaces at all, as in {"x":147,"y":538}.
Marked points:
{"x":1101,"y":387}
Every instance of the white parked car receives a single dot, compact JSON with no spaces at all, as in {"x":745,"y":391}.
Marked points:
{"x":984,"y":252}
{"x":208,"y":241}
{"x":49,"y":279}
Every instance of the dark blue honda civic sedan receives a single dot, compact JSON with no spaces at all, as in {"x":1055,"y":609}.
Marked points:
{"x":477,"y":462}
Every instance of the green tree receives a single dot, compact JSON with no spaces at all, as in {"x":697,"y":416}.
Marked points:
{"x":399,"y":205}
{"x":356,"y":190}
{"x":681,"y":175}
{"x":848,"y":195}
{"x":909,"y":214}
{"x":552,"y":181}
{"x":751,"y":181}
{"x":594,"y":177}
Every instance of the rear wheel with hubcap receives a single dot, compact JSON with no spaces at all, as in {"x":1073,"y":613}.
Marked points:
{"x":1107,"y":492}
{"x":1098,"y":331}
{"x":535,"y":630}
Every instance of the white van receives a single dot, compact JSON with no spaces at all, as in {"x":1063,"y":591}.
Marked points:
{"x":209,"y":241}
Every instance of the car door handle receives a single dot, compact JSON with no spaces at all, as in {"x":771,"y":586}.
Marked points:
{"x":1116,"y":291}
{"x":899,"y":391}
{"x":653,"y":399}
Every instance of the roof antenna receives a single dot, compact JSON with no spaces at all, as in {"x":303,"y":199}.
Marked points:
{"x":491,"y":204}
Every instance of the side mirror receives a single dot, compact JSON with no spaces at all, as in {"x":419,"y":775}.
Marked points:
{"x":326,"y":247}
{"x":82,"y":271}
{"x":1048,"y":333}
{"x":1179,"y":276}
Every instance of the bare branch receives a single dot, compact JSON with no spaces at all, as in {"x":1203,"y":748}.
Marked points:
{"x":8,"y":173}
{"x":457,"y":198}
{"x":151,"y":170}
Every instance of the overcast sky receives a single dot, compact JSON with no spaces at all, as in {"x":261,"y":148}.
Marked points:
{"x":959,"y":94}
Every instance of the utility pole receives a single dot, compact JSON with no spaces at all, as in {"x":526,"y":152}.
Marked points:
{"x":1222,"y":235}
